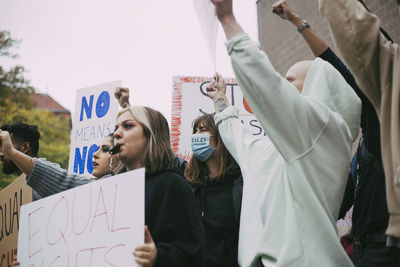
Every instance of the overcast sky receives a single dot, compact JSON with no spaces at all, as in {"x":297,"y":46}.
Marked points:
{"x":68,"y":45}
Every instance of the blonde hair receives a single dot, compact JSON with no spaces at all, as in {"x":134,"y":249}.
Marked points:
{"x":159,"y":155}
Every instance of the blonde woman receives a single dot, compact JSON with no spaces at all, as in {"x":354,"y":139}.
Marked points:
{"x":174,"y":234}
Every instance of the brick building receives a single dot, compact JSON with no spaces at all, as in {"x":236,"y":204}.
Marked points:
{"x":285,"y":46}
{"x":46,"y":102}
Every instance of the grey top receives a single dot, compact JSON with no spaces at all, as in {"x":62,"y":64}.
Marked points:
{"x":48,"y":178}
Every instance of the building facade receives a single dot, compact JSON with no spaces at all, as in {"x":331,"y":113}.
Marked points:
{"x":285,"y":46}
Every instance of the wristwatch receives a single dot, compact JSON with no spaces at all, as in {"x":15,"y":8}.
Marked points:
{"x":303,"y":26}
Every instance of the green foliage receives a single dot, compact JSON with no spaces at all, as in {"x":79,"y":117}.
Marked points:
{"x":13,"y":86}
{"x":54,"y":134}
{"x":16,"y":106}
{"x":7,"y":43}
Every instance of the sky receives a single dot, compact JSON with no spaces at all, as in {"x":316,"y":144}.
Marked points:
{"x":72,"y":44}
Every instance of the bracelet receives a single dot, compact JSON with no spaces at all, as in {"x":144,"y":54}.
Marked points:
{"x":303,"y":26}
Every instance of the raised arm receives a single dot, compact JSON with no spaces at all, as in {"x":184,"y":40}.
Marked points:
{"x":241,"y":144}
{"x":283,"y":10}
{"x":224,"y":11}
{"x":285,"y":115}
{"x":46,"y":178}
{"x":320,"y":49}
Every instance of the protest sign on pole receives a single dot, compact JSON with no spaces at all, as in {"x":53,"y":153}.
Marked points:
{"x":97,"y":224}
{"x":205,"y":11}
{"x":96,"y":110}
{"x":190,"y":100}
{"x":12,"y":198}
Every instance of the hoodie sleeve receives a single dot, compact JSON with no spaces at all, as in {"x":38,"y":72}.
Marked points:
{"x":290,"y":120}
{"x":250,"y":149}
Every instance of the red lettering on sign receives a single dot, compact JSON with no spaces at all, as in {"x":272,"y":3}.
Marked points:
{"x":115,"y":210}
{"x":88,"y":218}
{"x":32,"y":235}
{"x":109,"y":250}
{"x":101,"y":196}
{"x":62,"y":233}
{"x":91,"y":252}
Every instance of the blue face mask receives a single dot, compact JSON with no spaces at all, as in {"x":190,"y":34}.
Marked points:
{"x":201,"y":146}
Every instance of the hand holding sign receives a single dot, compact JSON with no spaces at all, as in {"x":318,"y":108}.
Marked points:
{"x":216,"y":90}
{"x":146,"y":254}
{"x":216,"y":87}
{"x":209,"y":25}
{"x":15,"y":263}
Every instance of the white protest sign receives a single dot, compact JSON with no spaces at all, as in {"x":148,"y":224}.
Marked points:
{"x":209,"y":25}
{"x":189,"y":100}
{"x":95,"y":114}
{"x":97,"y":224}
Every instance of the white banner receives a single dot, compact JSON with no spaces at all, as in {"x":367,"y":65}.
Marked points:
{"x":205,"y":11}
{"x":95,"y":114}
{"x":97,"y":224}
{"x":189,"y":100}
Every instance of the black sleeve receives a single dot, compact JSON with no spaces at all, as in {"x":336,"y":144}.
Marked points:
{"x":331,"y":57}
{"x":348,"y":198}
{"x":175,"y":224}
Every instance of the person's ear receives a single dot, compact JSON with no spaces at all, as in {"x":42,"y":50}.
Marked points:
{"x":25,"y":148}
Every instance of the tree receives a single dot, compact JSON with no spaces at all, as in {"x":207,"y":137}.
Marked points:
{"x":13,"y":86}
{"x":16,"y":106}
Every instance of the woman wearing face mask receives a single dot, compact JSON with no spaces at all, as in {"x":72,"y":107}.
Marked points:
{"x":174,"y":235}
{"x":217,"y":185}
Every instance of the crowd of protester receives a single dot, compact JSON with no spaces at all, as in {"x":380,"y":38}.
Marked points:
{"x":242,"y":200}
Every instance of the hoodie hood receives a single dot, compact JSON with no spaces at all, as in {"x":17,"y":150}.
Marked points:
{"x":325,"y":84}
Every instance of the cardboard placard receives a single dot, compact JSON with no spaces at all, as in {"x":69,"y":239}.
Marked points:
{"x":12,"y":198}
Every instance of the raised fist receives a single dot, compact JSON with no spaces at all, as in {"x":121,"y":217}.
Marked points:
{"x":283,"y":10}
{"x":216,"y":87}
{"x":122,"y":95}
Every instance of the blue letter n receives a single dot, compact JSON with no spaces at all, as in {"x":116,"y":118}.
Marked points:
{"x":86,"y":107}
{"x":79,"y":161}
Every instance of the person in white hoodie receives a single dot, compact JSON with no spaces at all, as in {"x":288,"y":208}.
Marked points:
{"x":293,"y":180}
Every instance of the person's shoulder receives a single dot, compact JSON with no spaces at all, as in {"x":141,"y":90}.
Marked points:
{"x":168,"y":176}
{"x":176,"y":176}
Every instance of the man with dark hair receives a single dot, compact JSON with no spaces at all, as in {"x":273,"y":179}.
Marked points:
{"x":25,"y":138}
